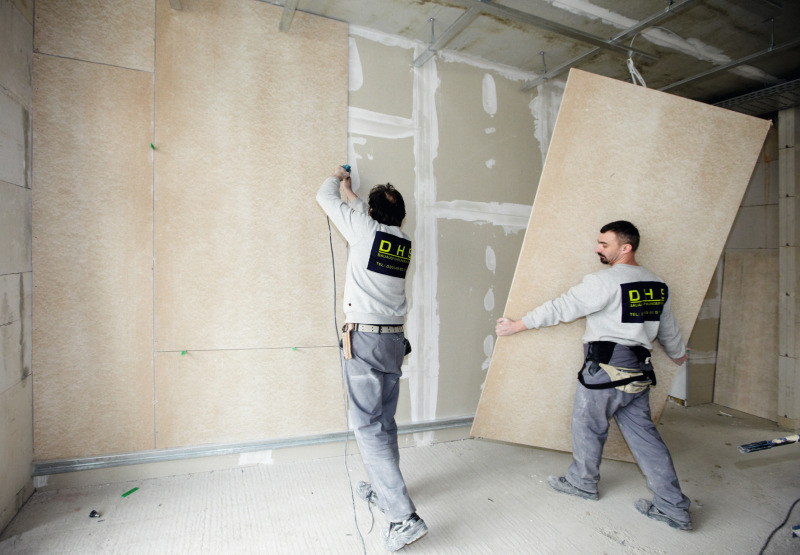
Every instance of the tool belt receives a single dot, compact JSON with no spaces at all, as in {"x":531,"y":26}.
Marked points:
{"x":627,"y":380}
{"x":346,"y":345}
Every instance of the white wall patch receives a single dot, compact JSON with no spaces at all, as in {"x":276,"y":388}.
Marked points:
{"x":491,"y":259}
{"x":488,"y":348}
{"x":488,"y":300}
{"x":489,"y":95}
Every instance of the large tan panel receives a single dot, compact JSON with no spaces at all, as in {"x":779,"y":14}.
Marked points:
{"x":476,"y":264}
{"x":249,"y":122}
{"x":236,"y":396}
{"x":92,"y":251}
{"x":747,"y":368}
{"x":678,"y":170}
{"x":115,"y":32}
{"x":487,"y":148}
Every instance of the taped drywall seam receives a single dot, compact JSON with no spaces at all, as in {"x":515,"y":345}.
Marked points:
{"x":513,"y":218}
{"x":489,"y":94}
{"x":376,"y":124}
{"x":510,"y":73}
{"x":355,"y":76}
{"x":544,"y":109}
{"x":662,"y":37}
{"x":424,"y":315}
{"x":383,"y":38}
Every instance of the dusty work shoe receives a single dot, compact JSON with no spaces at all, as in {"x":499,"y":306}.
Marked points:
{"x":560,"y":484}
{"x":400,"y":534}
{"x":650,"y":511}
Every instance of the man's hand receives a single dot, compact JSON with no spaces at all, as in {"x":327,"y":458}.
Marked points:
{"x":340,"y":173}
{"x":507,"y":326}
{"x":348,"y":189}
{"x":681,"y":360}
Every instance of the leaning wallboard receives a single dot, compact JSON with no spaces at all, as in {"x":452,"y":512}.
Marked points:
{"x":674,"y":167}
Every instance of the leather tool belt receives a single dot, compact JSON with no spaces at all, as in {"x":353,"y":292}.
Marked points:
{"x":347,"y":351}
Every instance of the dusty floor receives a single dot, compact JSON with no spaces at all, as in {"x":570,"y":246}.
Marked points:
{"x":476,"y":496}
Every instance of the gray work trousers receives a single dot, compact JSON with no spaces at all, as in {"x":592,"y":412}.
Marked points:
{"x":590,"y":415}
{"x":373,"y":382}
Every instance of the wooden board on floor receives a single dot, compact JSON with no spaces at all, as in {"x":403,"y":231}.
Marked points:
{"x":674,"y":167}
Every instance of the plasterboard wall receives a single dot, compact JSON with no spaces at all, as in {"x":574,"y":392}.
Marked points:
{"x":473,"y":140}
{"x":16,"y":391}
{"x":184,"y":278}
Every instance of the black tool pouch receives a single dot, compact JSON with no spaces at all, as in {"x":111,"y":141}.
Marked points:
{"x":601,"y":352}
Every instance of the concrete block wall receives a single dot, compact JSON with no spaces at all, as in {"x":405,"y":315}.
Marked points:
{"x":16,"y":396}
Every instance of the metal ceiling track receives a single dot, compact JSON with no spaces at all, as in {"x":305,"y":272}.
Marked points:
{"x":655,"y":19}
{"x":486,"y":7}
{"x":741,"y":61}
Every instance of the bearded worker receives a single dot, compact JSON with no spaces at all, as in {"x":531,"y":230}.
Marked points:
{"x":626,"y":308}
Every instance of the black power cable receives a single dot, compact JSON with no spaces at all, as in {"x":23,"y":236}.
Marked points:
{"x":785,"y":520}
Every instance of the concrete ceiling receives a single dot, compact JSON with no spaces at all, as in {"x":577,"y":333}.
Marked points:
{"x":712,"y":51}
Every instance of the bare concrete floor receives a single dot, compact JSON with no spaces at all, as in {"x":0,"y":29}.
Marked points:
{"x":476,"y":496}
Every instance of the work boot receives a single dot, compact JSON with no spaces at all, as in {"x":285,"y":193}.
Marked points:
{"x":649,"y":510}
{"x":400,"y":534}
{"x":561,"y":484}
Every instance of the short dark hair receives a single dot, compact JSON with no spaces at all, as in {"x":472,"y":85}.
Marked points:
{"x":386,"y":205}
{"x":626,"y":233}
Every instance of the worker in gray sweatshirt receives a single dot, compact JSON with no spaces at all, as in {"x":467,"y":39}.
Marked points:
{"x":626,"y":308}
{"x":373,"y":342}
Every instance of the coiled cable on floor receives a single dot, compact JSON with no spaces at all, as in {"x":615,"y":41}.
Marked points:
{"x":344,"y":395}
{"x":781,"y":525}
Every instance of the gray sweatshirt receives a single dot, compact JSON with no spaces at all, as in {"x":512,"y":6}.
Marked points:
{"x":626,"y":304}
{"x":374,"y":291}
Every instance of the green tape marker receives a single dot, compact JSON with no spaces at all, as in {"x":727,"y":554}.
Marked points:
{"x":183,"y":353}
{"x":152,"y":146}
{"x":127,"y":493}
{"x":294,"y":348}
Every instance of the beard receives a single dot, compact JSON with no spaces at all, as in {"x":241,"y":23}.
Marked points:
{"x":603,"y":259}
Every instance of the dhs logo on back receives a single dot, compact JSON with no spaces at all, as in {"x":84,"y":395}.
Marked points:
{"x":390,"y":255}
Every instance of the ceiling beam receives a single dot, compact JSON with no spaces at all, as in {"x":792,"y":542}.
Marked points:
{"x":450,"y":33}
{"x":741,"y":61}
{"x":288,"y":14}
{"x":658,"y":17}
{"x":504,"y":12}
